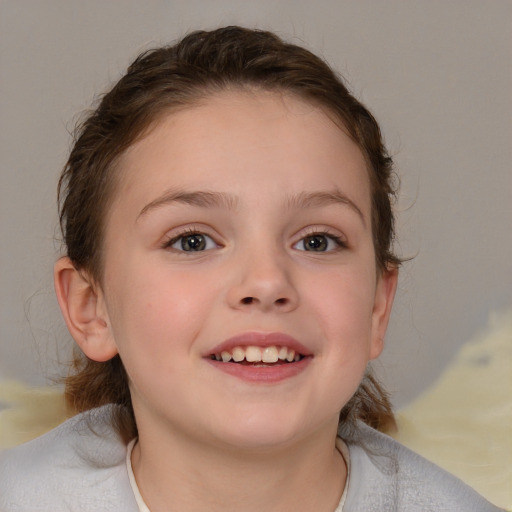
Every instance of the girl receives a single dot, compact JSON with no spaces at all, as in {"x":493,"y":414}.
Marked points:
{"x":227,"y":214}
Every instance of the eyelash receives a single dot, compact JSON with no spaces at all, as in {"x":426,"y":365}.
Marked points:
{"x":338,"y":240}
{"x":189,"y":232}
{"x":169,"y":242}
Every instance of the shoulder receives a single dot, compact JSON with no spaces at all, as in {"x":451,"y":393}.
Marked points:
{"x":80,"y":465}
{"x":387,"y":476}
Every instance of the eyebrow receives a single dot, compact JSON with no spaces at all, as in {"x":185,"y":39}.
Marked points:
{"x":202,"y":199}
{"x":318,"y":199}
{"x":208,"y":199}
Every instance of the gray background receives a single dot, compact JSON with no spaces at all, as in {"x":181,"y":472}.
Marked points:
{"x":437,"y":74}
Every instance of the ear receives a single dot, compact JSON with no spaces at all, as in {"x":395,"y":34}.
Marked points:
{"x":384,"y":296}
{"x":83,"y":308}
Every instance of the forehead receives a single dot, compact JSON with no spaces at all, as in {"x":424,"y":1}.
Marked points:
{"x":236,"y":139}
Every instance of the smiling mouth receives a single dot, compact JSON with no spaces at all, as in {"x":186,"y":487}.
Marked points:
{"x":258,"y":356}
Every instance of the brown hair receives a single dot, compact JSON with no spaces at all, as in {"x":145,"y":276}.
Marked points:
{"x":174,"y":77}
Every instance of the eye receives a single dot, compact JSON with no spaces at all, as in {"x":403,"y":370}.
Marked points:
{"x":191,"y":242}
{"x":320,"y":242}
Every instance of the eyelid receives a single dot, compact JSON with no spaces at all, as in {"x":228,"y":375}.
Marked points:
{"x":319,"y":229}
{"x":174,"y":236}
{"x":311,"y":231}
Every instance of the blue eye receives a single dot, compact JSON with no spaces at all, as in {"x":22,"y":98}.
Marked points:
{"x":191,"y":242}
{"x":319,"y":242}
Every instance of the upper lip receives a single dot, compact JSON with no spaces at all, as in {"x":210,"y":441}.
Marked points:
{"x":259,"y":339}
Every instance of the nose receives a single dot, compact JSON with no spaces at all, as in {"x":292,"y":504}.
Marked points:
{"x":263,"y":282}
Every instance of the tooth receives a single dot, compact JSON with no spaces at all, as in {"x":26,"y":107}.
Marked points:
{"x":226,"y":356}
{"x":238,"y":354}
{"x":253,"y":354}
{"x":269,"y":355}
{"x":297,"y":357}
{"x":283,"y":352}
{"x":290,"y":355}
{"x":218,"y":357}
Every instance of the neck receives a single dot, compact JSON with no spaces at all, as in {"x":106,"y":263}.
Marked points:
{"x":181,"y":473}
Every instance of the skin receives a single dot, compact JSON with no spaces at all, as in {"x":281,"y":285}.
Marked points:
{"x":207,"y":439}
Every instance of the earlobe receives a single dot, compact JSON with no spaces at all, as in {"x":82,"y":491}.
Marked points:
{"x":384,"y":296}
{"x":83,"y":309}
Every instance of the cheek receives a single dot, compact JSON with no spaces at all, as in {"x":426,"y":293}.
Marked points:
{"x":157,"y":307}
{"x":155,"y":324}
{"x":345,"y":305}
{"x":346,"y":319}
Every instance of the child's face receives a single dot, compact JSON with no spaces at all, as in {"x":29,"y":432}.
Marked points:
{"x":246,"y":216}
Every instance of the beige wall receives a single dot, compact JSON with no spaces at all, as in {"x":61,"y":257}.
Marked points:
{"x":437,"y":75}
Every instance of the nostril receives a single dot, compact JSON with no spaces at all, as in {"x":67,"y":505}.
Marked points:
{"x":253,"y":300}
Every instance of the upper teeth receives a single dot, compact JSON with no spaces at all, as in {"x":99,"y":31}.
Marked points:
{"x":253,"y":354}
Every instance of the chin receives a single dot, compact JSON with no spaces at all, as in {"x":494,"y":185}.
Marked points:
{"x":261,"y":440}
{"x":263,"y":431}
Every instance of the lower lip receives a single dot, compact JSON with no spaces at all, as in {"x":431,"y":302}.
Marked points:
{"x":262,"y":374}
